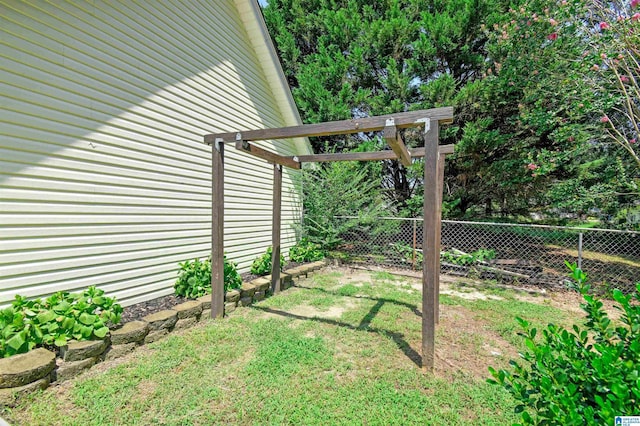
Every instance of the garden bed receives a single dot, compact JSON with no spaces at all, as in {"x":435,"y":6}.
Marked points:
{"x":25,"y":373}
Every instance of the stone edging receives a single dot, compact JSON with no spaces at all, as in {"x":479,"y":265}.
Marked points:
{"x":24,"y":373}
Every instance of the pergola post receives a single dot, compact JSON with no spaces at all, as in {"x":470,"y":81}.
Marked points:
{"x":441,"y":161}
{"x":217,"y":230}
{"x":431,"y":263}
{"x":275,"y":228}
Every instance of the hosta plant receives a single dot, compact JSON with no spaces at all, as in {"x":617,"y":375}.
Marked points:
{"x":194,"y":277}
{"x":262,"y":264}
{"x":61,"y":317}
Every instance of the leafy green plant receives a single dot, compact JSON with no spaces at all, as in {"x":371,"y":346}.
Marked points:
{"x":461,"y":258}
{"x":61,"y":317}
{"x":194,"y":277}
{"x":262,"y":264}
{"x":585,"y":376}
{"x":306,"y":251}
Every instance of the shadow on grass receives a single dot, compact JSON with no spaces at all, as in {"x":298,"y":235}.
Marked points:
{"x":364,"y":325}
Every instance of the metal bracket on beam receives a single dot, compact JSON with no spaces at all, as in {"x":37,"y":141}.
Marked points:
{"x":427,"y":123}
{"x":217,"y":143}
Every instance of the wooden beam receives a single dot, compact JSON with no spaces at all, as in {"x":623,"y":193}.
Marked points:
{"x":368,"y":124}
{"x":393,"y":138}
{"x":217,"y":233}
{"x":368,"y":156}
{"x":271,"y":157}
{"x":275,"y":228}
{"x":431,"y":262}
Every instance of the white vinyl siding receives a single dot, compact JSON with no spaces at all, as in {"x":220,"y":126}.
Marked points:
{"x":104,"y":178}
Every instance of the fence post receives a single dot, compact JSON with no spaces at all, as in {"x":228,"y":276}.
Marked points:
{"x":414,"y":243}
{"x":580,"y":251}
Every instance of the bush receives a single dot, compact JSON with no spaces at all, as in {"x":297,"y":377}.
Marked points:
{"x":194,"y":278}
{"x":306,"y":251}
{"x":262,"y":264}
{"x":585,"y":376}
{"x":60,"y":318}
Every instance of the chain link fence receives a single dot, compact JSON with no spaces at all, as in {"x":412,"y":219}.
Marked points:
{"x":526,"y":254}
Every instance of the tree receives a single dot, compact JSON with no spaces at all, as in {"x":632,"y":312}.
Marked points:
{"x":355,"y":58}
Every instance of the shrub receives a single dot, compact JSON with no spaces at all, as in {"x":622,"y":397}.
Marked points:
{"x":585,"y":376}
{"x":306,"y":251}
{"x":262,"y":264}
{"x":60,"y":318}
{"x":194,"y":278}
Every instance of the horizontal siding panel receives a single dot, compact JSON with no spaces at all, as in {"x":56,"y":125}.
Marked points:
{"x":104,"y":179}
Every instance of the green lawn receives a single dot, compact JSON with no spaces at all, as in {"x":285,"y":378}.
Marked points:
{"x":341,"y":349}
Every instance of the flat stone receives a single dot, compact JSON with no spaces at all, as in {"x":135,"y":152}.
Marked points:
{"x":186,"y":323}
{"x":116,"y":351}
{"x":232,"y":295}
{"x":294,"y":272}
{"x":22,"y":369}
{"x":229,"y":307}
{"x":9,"y":397}
{"x":77,"y":351}
{"x":131,"y":332}
{"x":156,"y":335}
{"x":258,"y":296}
{"x":161,"y":320}
{"x":246,"y":301}
{"x":206,"y":314}
{"x":67,"y":370}
{"x":285,"y":278}
{"x":247,"y":290}
{"x":189,"y":309}
{"x":261,"y":284}
{"x":205,"y":300}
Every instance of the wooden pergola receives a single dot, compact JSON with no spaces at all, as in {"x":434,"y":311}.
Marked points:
{"x":434,"y":157}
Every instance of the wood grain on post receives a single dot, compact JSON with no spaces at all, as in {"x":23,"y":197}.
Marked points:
{"x":217,"y":231}
{"x":431,"y":262}
{"x":275,"y":228}
{"x":441,"y":162}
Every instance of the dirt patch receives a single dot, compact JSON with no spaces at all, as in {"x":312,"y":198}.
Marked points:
{"x":308,"y":311}
{"x":465,"y":344}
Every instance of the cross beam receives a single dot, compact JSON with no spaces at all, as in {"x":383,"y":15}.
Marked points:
{"x":369,"y":124}
{"x":368,"y":156}
{"x":271,"y":157}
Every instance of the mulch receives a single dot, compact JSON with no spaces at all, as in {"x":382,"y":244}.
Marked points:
{"x":140,"y":310}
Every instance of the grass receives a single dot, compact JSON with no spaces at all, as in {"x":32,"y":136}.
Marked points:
{"x":269,"y":364}
{"x":597,"y":256}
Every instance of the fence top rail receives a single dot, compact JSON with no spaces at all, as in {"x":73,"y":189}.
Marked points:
{"x":520,"y":225}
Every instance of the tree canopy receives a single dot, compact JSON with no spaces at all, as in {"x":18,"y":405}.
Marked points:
{"x":545,"y":94}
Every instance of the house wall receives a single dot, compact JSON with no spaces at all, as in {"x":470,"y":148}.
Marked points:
{"x":104,"y":179}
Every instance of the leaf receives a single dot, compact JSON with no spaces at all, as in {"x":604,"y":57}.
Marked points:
{"x":68,"y":323}
{"x":87,"y":319}
{"x":17,"y":341}
{"x":45,"y":316}
{"x":62,"y":307}
{"x":101,"y":332}
{"x":60,"y":341}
